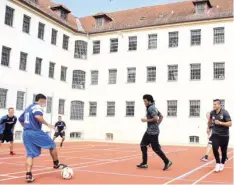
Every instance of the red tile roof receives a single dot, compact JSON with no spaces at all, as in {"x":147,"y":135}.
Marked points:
{"x":179,"y":12}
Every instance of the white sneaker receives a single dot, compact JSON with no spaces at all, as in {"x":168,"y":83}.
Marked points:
{"x":221,"y":167}
{"x":217,"y":167}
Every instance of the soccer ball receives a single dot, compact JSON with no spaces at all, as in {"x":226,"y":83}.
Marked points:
{"x":67,"y":173}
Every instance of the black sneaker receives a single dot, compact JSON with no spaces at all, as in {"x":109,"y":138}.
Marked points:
{"x":60,"y":166}
{"x":142,"y":165}
{"x":29,"y":178}
{"x":168,"y":165}
{"x":204,"y":159}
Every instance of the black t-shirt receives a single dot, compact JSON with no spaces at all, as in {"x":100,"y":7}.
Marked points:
{"x":222,"y":116}
{"x":9,"y":123}
{"x":60,"y":126}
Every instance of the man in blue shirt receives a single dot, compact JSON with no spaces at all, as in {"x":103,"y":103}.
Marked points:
{"x":34,"y":138}
{"x":7,"y":125}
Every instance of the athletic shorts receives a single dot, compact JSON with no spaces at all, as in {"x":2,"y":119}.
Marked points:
{"x":6,"y":137}
{"x":35,"y":140}
{"x":61,"y":134}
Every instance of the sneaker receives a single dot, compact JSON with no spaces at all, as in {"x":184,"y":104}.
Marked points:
{"x":60,"y":166}
{"x":12,"y":153}
{"x":168,"y":165}
{"x":217,"y":167}
{"x":204,"y":159}
{"x":29,"y":178}
{"x":142,"y":165}
{"x":221,"y":167}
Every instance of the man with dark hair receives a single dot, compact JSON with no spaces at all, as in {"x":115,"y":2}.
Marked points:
{"x":7,"y":125}
{"x":34,"y":138}
{"x":150,"y":137}
{"x":221,"y":121}
{"x":60,"y":127}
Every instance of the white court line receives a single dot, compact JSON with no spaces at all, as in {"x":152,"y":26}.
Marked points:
{"x":79,"y":167}
{"x":8,"y":176}
{"x":191,"y":171}
{"x":23,"y":164}
{"x":206,"y":175}
{"x":90,"y":159}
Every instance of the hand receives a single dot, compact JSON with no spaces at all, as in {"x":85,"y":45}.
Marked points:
{"x":208,"y":132}
{"x":144,"y":120}
{"x":217,"y":122}
{"x":51,"y":126}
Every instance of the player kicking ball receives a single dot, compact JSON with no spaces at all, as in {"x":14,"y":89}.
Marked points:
{"x":60,"y":128}
{"x":34,"y":138}
{"x":7,"y":125}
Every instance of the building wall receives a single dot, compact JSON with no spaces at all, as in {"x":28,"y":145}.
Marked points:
{"x":173,"y":130}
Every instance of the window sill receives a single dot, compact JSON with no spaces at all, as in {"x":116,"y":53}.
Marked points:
{"x":129,"y":116}
{"x":150,"y":82}
{"x":113,"y":52}
{"x":152,"y":49}
{"x":78,"y":89}
{"x":173,"y":47}
{"x":65,"y":49}
{"x":80,"y":58}
{"x":5,"y":66}
{"x":96,"y":54}
{"x":171,"y":116}
{"x":112,"y":83}
{"x":130,"y":82}
{"x":218,"y":79}
{"x":132,"y":50}
{"x":192,"y":46}
{"x":10,"y":26}
{"x":26,"y":33}
{"x":92,"y":116}
{"x":41,"y":39}
{"x":93,"y":84}
{"x":195,"y":117}
{"x":38,"y":74}
{"x":110,"y":116}
{"x":172,"y":80}
{"x":195,"y":80}
{"x":51,"y":78}
{"x":215,"y":44}
{"x":63,"y":81}
{"x":25,"y":71}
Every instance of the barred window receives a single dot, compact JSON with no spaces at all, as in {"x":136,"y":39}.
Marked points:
{"x":5,"y":56}
{"x":195,"y":71}
{"x":130,"y":108}
{"x":23,"y":61}
{"x":219,"y":35}
{"x":63,"y":75}
{"x":132,"y":75}
{"x":80,"y":49}
{"x":9,"y":15}
{"x":194,"y":108}
{"x":61,"y":107}
{"x":110,"y":108}
{"x":109,"y":136}
{"x":38,"y":66}
{"x":112,"y":76}
{"x":63,"y":15}
{"x":78,"y":81}
{"x":20,"y":100}
{"x":100,"y":21}
{"x":152,"y":41}
{"x":76,"y":135}
{"x":26,"y":24}
{"x":172,"y":108}
{"x":114,"y":45}
{"x":49,"y":102}
{"x":54,"y":36}
{"x":132,"y":43}
{"x":41,"y":30}
{"x":173,"y":39}
{"x":51,"y":70}
{"x":195,"y":37}
{"x":200,"y":7}
{"x":18,"y":135}
{"x":222,"y":103}
{"x":96,"y":47}
{"x":219,"y":71}
{"x":172,"y":72}
{"x":194,"y":139}
{"x":3,"y":98}
{"x":92,"y":108}
{"x":94,"y":77}
{"x":77,"y":110}
{"x":34,"y":98}
{"x":65,"y":42}
{"x":151,"y":74}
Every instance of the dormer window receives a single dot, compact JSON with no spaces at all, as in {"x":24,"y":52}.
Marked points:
{"x":34,"y":1}
{"x":101,"y":19}
{"x":202,"y":6}
{"x":61,"y":10}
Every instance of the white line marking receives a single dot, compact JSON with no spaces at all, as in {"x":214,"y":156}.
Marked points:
{"x":79,"y":167}
{"x":206,"y":175}
{"x":191,"y":171}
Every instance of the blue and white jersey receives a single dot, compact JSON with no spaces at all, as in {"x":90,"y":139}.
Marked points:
{"x":28,"y":117}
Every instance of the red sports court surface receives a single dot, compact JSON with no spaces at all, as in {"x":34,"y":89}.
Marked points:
{"x":110,"y":163}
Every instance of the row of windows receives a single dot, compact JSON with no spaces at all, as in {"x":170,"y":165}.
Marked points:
{"x":81,"y":46}
{"x":77,"y":107}
{"x":79,"y":80}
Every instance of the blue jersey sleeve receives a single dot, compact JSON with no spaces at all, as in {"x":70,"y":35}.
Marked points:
{"x":37,"y":111}
{"x":21,"y":118}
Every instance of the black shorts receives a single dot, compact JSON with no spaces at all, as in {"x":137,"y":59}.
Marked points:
{"x":61,"y":134}
{"x":6,"y":137}
{"x":149,"y":139}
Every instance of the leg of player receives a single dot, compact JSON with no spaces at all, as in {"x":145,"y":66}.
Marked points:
{"x":11,"y":148}
{"x":61,"y":144}
{"x":215,"y":146}
{"x":208,"y":151}
{"x":224,"y":146}
{"x":29,"y":165}
{"x":144,"y":143}
{"x":157,"y":149}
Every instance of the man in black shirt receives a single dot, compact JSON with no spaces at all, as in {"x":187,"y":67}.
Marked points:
{"x":7,"y":125}
{"x":60,"y":127}
{"x":150,"y":137}
{"x":221,"y":121}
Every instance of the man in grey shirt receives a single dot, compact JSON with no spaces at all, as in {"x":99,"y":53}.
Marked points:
{"x":154,"y":118}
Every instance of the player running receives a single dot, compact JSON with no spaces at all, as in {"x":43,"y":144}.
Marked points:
{"x":60,"y":128}
{"x":7,"y":125}
{"x":34,"y":138}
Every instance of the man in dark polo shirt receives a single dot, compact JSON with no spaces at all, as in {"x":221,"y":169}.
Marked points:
{"x":150,"y":137}
{"x":221,"y":121}
{"x":60,"y":128}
